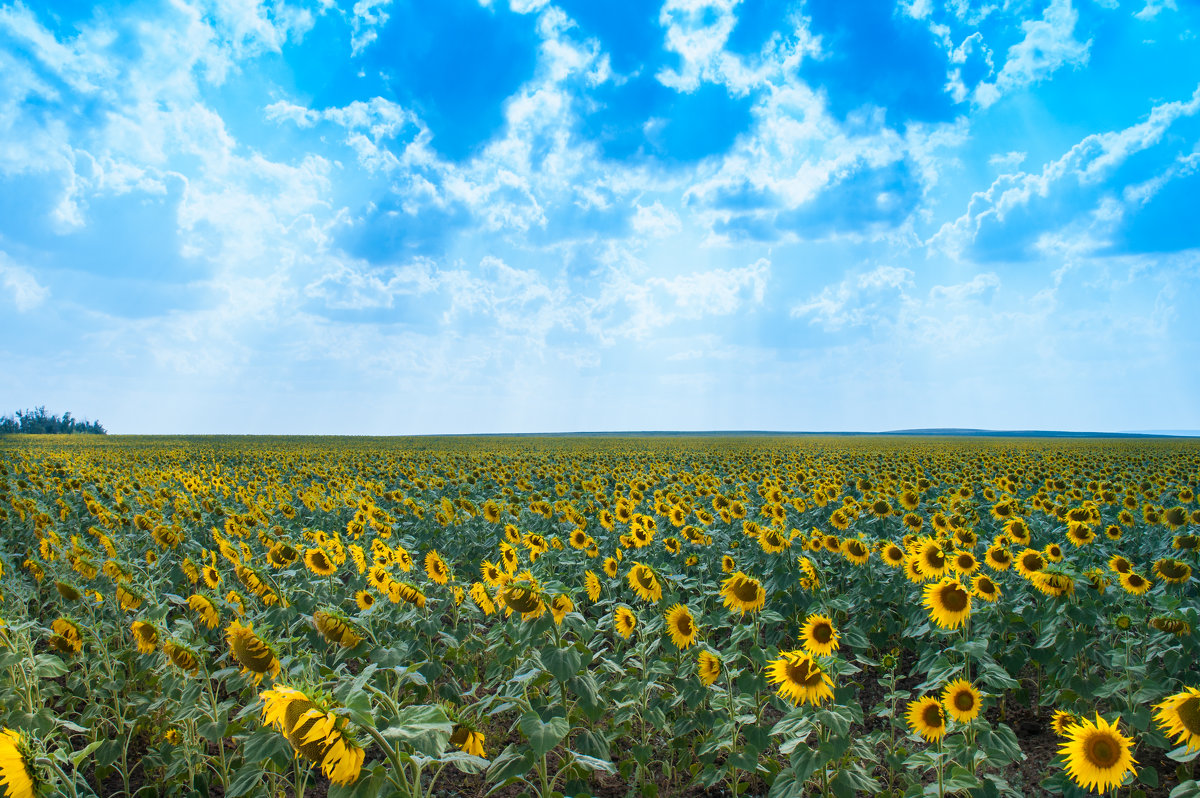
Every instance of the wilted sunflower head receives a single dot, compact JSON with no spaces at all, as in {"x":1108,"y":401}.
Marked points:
{"x":146,"y":636}
{"x":314,"y":732}
{"x":644,"y":582}
{"x":251,"y":652}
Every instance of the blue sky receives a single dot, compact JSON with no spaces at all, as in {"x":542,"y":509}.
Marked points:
{"x":393,"y":217}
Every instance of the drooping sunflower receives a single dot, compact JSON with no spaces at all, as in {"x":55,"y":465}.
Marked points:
{"x":949,"y":603}
{"x":644,"y":582}
{"x":818,"y":636}
{"x":591,"y":583}
{"x":681,"y":626}
{"x":66,"y":638}
{"x":317,"y":560}
{"x":482,"y":600}
{"x":18,"y":778}
{"x":927,"y":718}
{"x":1172,"y":571}
{"x":708,"y":667}
{"x":435,"y":568}
{"x":524,"y":596}
{"x":468,"y":740}
{"x":624,"y":621}
{"x":962,"y":700}
{"x":801,"y":680}
{"x":146,"y":637}
{"x":1119,"y":564}
{"x":182,"y":656}
{"x":282,"y":554}
{"x":251,"y":652}
{"x":399,"y":590}
{"x":1179,"y":717}
{"x":743,"y":593}
{"x":1062,"y":720}
{"x":1098,"y":755}
{"x":203,"y":607}
{"x":1135,"y":583}
{"x":560,"y":606}
{"x":316,"y":734}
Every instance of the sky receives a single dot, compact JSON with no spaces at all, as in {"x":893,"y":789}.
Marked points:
{"x":410,"y":217}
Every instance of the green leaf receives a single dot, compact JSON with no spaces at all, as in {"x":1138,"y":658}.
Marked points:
{"x":48,"y":666}
{"x":511,"y":764}
{"x":562,"y":663}
{"x":426,"y":728}
{"x":1188,"y":789}
{"x":1181,"y":754}
{"x":543,"y":735}
{"x":594,"y":764}
{"x":467,"y":763}
{"x":84,"y":752}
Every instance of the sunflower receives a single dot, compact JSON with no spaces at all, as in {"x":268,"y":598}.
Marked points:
{"x":983,"y":587}
{"x":800,"y":678}
{"x":1029,"y":561}
{"x":66,"y":638}
{"x":182,"y":657}
{"x":482,"y":600}
{"x":282,"y":554}
{"x":964,"y":563}
{"x":1179,"y":717}
{"x":932,"y":559}
{"x":949,"y":603}
{"x":682,"y":626}
{"x":1172,"y":571}
{"x":1119,"y":564}
{"x":560,"y":606}
{"x":708,"y":667}
{"x":491,"y":573}
{"x":892,"y":555}
{"x":212,"y":577}
{"x":435,"y":568}
{"x":1098,"y":756}
{"x":728,"y":566}
{"x":624,"y":621}
{"x":468,"y":740}
{"x":146,"y":637}
{"x":854,"y":551}
{"x":317,"y":560}
{"x":524,"y":596}
{"x":249,"y":651}
{"x":961,"y":700}
{"x":927,"y":718}
{"x":203,"y":606}
{"x":610,"y":567}
{"x":998,"y":558}
{"x":405,"y":591}
{"x":1063,"y":720}
{"x":364,"y":599}
{"x":18,"y":779}
{"x":592,"y":583}
{"x":1053,"y":552}
{"x":1080,"y":534}
{"x":743,"y":593}
{"x":818,"y":635}
{"x":643,"y":582}
{"x":319,"y":736}
{"x":1135,"y":583}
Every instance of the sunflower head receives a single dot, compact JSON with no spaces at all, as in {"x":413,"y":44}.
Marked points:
{"x":681,"y":626}
{"x":644,"y":582}
{"x":1179,"y":717}
{"x":146,"y":637}
{"x":624,"y":621}
{"x":708,"y":667}
{"x":251,"y":652}
{"x":336,"y":628}
{"x":818,"y":635}
{"x":927,"y":718}
{"x":1098,"y":756}
{"x":961,"y":700}
{"x":800,"y":679}
{"x":743,"y":593}
{"x":19,"y":778}
{"x":949,"y":603}
{"x":314,"y":732}
{"x":1063,"y":720}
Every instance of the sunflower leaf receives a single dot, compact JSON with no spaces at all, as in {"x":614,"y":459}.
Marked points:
{"x":543,"y":735}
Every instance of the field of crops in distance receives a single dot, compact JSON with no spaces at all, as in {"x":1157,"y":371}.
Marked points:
{"x":670,"y":616}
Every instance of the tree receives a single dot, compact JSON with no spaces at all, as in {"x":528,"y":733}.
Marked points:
{"x":39,"y":422}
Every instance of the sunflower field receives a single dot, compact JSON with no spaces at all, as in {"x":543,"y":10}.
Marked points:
{"x":692,"y":616}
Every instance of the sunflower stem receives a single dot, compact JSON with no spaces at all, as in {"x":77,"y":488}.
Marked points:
{"x":68,"y":780}
{"x":393,"y":757}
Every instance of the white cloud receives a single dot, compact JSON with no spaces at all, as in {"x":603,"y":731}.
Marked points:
{"x":656,"y":220}
{"x":1049,"y":45}
{"x":22,"y":286}
{"x":369,"y":16}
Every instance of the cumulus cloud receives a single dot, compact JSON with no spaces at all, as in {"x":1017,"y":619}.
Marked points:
{"x":1049,"y":45}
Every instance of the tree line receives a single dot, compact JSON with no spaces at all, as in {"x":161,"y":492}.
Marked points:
{"x":39,"y":422}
